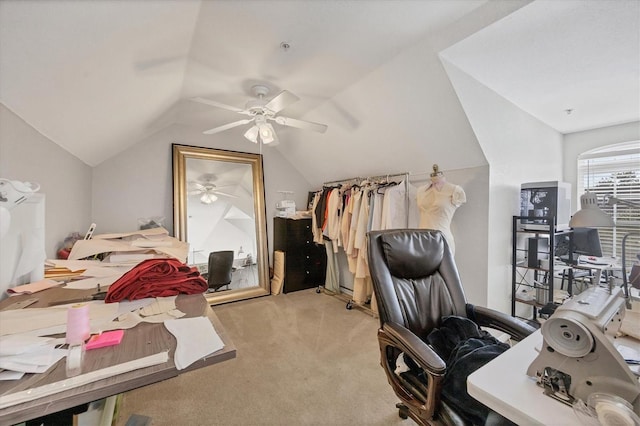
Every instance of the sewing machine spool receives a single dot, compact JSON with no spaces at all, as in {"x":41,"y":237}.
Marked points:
{"x":603,"y":409}
{"x":568,"y":336}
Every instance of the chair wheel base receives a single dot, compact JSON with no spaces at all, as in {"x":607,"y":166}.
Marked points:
{"x":403,"y":411}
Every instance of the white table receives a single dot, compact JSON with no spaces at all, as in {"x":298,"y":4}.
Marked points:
{"x":503,"y":385}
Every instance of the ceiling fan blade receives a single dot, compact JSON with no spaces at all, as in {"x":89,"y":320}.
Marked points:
{"x":195,"y":192}
{"x":227,"y":126}
{"x":281,"y":101}
{"x":220,"y":105}
{"x":225,"y":194}
{"x":300,"y":124}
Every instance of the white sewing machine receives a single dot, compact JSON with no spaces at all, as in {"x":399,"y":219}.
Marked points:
{"x":578,"y":358}
{"x":285,"y":208}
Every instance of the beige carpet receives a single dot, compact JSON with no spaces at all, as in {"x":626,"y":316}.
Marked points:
{"x":302,"y":359}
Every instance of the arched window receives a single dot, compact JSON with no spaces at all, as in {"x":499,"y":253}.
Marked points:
{"x":614,"y":171}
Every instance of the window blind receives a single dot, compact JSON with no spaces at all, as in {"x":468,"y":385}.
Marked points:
{"x":614,"y":171}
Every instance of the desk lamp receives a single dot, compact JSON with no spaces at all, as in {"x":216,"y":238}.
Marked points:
{"x":590,"y":216}
{"x":612,"y":201}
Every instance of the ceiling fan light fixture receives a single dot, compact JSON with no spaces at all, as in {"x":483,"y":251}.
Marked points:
{"x":267,"y":133}
{"x":208,"y":198}
{"x":260,"y":110}
{"x":252,"y":134}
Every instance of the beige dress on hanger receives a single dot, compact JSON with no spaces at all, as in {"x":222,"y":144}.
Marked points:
{"x":437,"y":206}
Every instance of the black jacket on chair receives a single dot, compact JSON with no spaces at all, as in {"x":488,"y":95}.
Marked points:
{"x":417,"y":285}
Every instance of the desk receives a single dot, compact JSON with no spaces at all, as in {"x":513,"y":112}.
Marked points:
{"x":503,"y":385}
{"x":143,"y":340}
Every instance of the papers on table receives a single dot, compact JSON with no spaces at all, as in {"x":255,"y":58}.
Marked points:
{"x":196,"y":339}
{"x":36,"y":361}
{"x":22,"y":350}
{"x":27,"y":354}
{"x":17,"y":344}
{"x":156,"y":241}
{"x":152,"y":310}
{"x":89,"y":283}
{"x":33,"y":287}
{"x":53,"y":320}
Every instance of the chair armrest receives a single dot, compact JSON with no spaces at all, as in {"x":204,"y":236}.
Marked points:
{"x":486,"y":317}
{"x":418,"y":350}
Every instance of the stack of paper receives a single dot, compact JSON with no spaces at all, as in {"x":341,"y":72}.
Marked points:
{"x":156,"y":242}
{"x":20,"y":354}
{"x":61,"y":273}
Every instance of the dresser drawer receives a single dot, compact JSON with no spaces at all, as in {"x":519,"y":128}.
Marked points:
{"x":305,"y":261}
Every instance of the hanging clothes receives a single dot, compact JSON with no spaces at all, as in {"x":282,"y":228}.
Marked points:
{"x":315,"y":227}
{"x":394,"y":208}
{"x":350,"y":213}
{"x":361,"y":234}
{"x":377,"y":201}
{"x":332,"y":228}
{"x":345,"y":218}
{"x":332,"y":280}
{"x":352,"y":250}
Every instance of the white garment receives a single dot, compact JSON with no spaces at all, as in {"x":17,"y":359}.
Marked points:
{"x":437,"y":207}
{"x":362,"y":267}
{"x":377,"y":201}
{"x":345,"y":219}
{"x":315,"y":227}
{"x":354,"y":206}
{"x":394,"y":208}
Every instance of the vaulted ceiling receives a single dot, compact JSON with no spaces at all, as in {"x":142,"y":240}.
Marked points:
{"x":96,"y":77}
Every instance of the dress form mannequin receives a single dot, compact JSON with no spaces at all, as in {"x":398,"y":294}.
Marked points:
{"x":438,"y":202}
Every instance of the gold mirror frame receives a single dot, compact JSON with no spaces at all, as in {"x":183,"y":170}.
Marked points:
{"x":180,"y":215}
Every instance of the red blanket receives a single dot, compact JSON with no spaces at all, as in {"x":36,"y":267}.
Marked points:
{"x":157,"y":278}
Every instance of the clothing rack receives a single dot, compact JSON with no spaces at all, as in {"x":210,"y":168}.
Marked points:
{"x":358,"y":180}
{"x":343,"y":181}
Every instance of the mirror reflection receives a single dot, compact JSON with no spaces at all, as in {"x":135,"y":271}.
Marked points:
{"x":221,"y":217}
{"x":219,"y":211}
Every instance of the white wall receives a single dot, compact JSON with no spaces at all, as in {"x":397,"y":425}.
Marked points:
{"x":403,"y":116}
{"x":519,"y":149}
{"x":27,"y":155}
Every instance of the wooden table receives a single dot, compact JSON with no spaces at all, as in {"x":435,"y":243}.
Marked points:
{"x":143,"y":340}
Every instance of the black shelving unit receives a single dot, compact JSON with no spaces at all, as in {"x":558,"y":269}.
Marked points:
{"x":305,"y":262}
{"x":528,"y":273}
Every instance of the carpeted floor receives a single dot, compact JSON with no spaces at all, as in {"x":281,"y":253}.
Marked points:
{"x":302,"y":359}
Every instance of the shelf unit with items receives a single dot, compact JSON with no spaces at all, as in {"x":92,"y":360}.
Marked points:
{"x":533,"y":267}
{"x":305,"y":262}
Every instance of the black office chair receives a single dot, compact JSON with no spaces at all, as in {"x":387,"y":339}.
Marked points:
{"x":418,"y":289}
{"x":220,"y":268}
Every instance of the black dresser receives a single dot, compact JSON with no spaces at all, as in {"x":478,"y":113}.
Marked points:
{"x":305,"y":263}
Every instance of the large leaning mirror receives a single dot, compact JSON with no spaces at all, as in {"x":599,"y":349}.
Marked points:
{"x":219,"y":208}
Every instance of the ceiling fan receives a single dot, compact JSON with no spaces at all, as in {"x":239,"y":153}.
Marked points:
{"x":261,"y":111}
{"x":207,"y":190}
